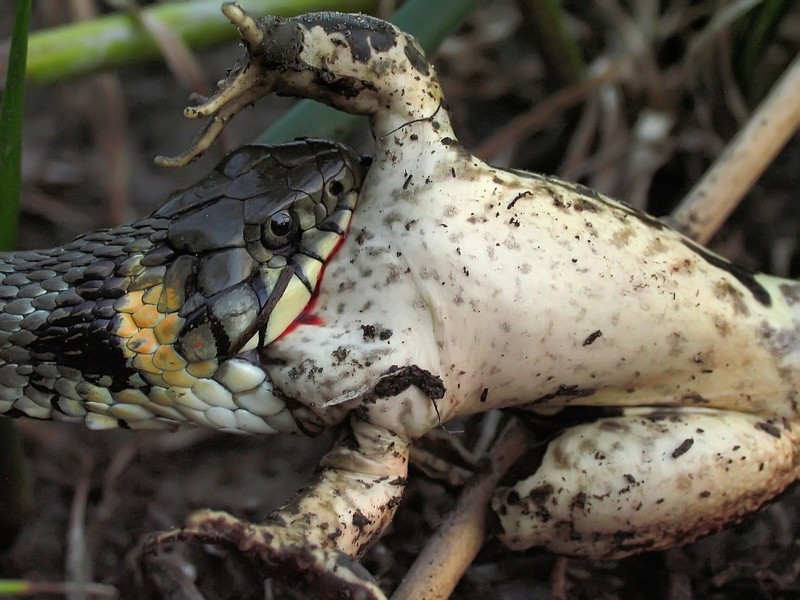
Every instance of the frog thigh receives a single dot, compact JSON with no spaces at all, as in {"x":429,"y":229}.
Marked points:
{"x":331,"y":370}
{"x":622,"y":485}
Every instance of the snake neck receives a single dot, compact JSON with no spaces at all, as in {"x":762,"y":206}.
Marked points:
{"x":88,"y":333}
{"x":59,"y":322}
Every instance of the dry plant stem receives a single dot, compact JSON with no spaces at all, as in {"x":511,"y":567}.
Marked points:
{"x":438,"y":468}
{"x":177,"y":54}
{"x":105,"y":112}
{"x":106,"y":509}
{"x":558,"y":579}
{"x":490,"y":423}
{"x":78,"y":565}
{"x":706,"y":207}
{"x":455,"y":544}
{"x":577,"y":155}
{"x":560,"y":51}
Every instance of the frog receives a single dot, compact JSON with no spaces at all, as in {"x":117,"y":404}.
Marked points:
{"x":671,"y":373}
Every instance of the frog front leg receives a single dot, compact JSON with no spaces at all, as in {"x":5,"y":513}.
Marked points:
{"x":328,"y":375}
{"x":647,"y":481}
{"x":315,"y":539}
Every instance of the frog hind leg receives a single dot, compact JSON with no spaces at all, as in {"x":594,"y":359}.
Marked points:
{"x":623,"y":485}
{"x":314,"y":541}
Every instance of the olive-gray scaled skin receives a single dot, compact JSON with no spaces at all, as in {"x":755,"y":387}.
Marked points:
{"x":159,"y":323}
{"x":467,"y":287}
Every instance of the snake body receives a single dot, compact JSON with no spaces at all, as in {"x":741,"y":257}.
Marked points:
{"x":158,"y":323}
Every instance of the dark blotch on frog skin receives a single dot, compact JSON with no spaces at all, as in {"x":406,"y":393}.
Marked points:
{"x":592,"y":337}
{"x":565,"y":391}
{"x":746,"y":278}
{"x":283,"y":41}
{"x":683,"y":448}
{"x":398,"y":379}
{"x":416,"y":58}
{"x":769,"y":428}
{"x":364,"y":35}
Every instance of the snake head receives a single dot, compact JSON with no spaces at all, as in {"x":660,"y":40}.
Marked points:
{"x":248,"y":243}
{"x":356,"y":63}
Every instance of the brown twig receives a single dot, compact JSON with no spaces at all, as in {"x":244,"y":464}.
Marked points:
{"x":455,"y":544}
{"x":78,"y":560}
{"x":438,"y":468}
{"x":709,"y":203}
{"x":558,"y":579}
{"x":103,"y":102}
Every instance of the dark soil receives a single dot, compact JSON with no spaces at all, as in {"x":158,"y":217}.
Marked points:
{"x":95,"y":495}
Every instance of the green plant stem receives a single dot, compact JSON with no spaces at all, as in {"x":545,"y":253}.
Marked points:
{"x":429,"y":22}
{"x":115,"y":40}
{"x":15,"y":495}
{"x":19,"y":587}
{"x":560,"y":52}
{"x":11,"y":117}
{"x":752,"y":35}
{"x":14,"y":492}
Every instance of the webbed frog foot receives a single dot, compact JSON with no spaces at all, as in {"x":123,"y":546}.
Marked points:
{"x":316,"y":539}
{"x":278,"y":551}
{"x":354,"y":62}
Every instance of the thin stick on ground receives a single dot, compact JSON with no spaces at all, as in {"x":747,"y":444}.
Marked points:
{"x":455,"y":544}
{"x":711,"y":201}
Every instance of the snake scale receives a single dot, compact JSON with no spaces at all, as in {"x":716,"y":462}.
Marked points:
{"x":158,"y":323}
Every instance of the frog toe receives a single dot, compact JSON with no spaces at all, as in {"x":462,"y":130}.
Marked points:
{"x":280,"y":552}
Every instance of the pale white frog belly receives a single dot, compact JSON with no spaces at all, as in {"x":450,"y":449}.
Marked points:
{"x":542,"y":297}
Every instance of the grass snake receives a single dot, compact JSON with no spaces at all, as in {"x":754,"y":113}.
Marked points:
{"x":158,"y":323}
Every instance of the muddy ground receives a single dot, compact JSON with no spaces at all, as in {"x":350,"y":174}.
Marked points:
{"x":674,"y":97}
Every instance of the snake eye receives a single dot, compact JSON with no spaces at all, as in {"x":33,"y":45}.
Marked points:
{"x":280,"y":230}
{"x":335,"y":188}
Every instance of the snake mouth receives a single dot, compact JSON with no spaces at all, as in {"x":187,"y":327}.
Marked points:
{"x":295,"y":287}
{"x":251,"y":315}
{"x":278,"y":305}
{"x":252,"y":244}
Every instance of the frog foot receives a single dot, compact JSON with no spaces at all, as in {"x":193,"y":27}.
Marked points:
{"x":241,"y":88}
{"x":278,"y":551}
{"x":315,"y":539}
{"x":353,"y":62}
